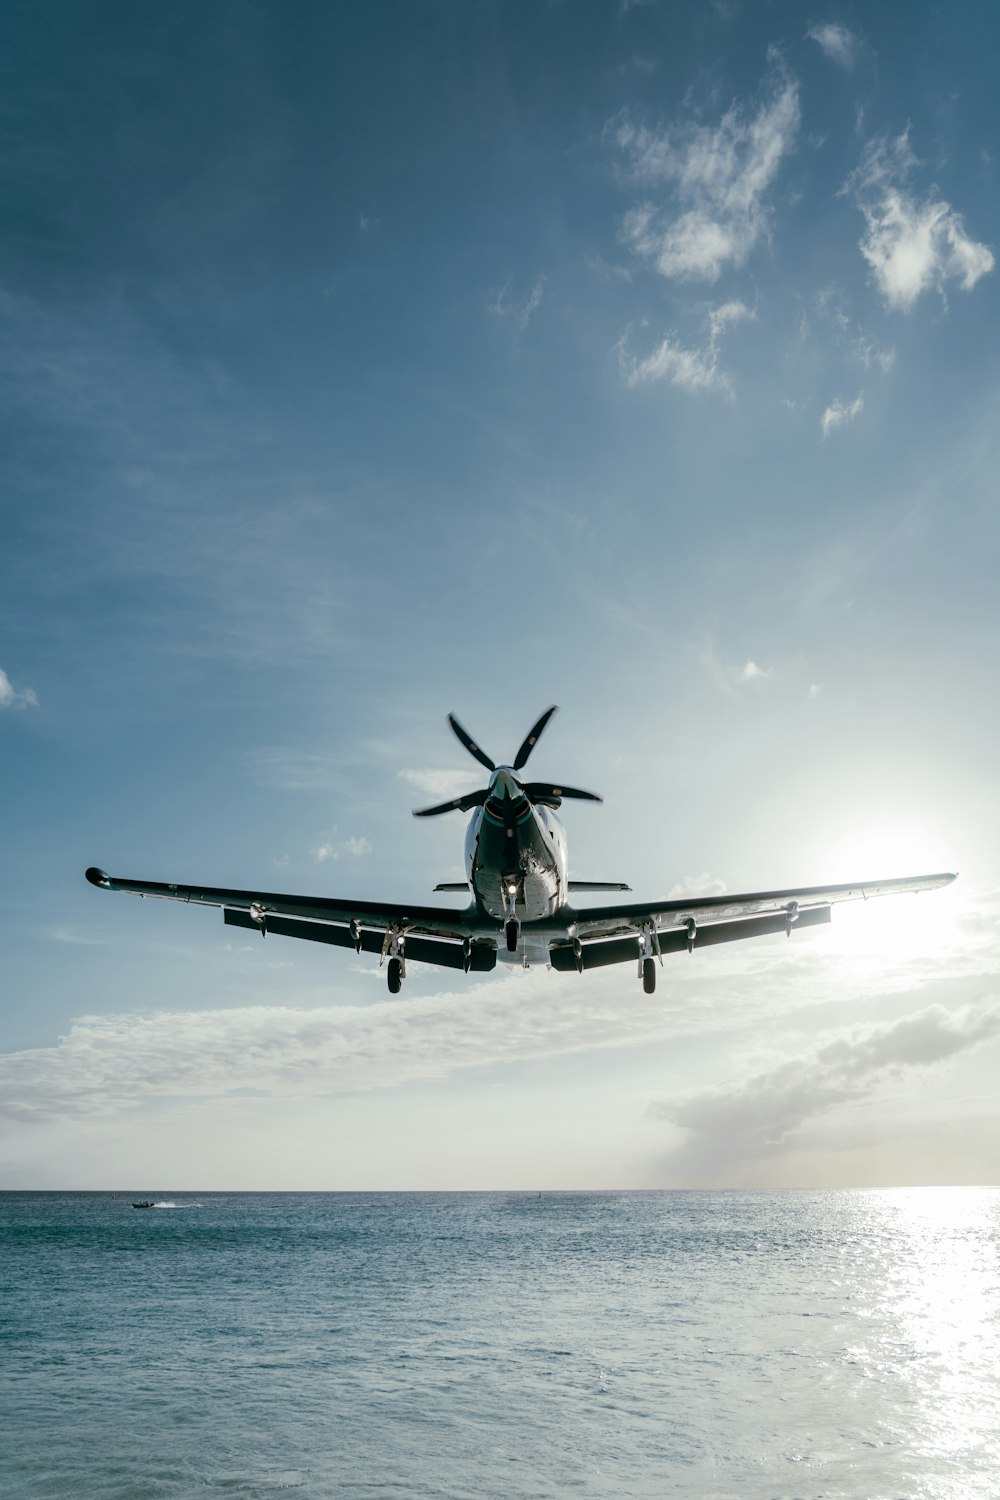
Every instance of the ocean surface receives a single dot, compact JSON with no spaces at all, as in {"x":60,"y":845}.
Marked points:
{"x":744,"y":1345}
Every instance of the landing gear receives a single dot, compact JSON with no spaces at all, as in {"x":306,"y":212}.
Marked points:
{"x":649,"y":952}
{"x":395,"y":968}
{"x":511,"y":925}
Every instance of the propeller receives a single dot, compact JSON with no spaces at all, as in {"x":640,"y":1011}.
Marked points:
{"x":532,"y":737}
{"x":457,"y":804}
{"x":470,"y":744}
{"x":545,"y":793}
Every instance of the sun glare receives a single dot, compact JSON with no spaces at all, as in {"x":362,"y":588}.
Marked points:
{"x":893,"y":928}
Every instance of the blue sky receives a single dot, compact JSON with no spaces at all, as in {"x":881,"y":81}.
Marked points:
{"x":360,"y":364}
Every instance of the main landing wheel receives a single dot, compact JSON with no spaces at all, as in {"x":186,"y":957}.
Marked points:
{"x":394,"y":975}
{"x":511,"y":931}
{"x":649,"y":975}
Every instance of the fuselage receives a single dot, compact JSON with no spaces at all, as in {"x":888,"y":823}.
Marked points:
{"x":515,"y":859}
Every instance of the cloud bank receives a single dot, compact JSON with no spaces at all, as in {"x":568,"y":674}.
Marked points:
{"x":756,"y":1117}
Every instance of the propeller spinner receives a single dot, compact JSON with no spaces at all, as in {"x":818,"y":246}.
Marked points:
{"x":538,"y":792}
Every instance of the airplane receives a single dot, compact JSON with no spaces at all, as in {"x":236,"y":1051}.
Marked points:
{"x":519,"y":912}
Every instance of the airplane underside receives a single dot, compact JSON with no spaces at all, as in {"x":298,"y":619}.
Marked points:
{"x":520,"y":913}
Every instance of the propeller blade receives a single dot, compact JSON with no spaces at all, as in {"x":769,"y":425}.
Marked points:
{"x":532,"y":738}
{"x":457,"y":804}
{"x":545,"y":791}
{"x":470,"y":744}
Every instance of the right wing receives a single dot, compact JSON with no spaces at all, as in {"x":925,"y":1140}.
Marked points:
{"x":602,"y":935}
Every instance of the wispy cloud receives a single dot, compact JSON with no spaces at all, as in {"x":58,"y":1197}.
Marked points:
{"x":293,"y":770}
{"x":733,"y":677}
{"x":693,"y":370}
{"x":332,"y":848}
{"x":76,"y":937}
{"x":841,"y":413}
{"x":519,"y":311}
{"x":720,"y":176}
{"x":838,"y":44}
{"x":441,"y":784}
{"x":912,"y":244}
{"x":12,"y":697}
{"x":869,"y":354}
{"x":696,"y":371}
{"x":851,"y":335}
{"x":756,"y":1117}
{"x":751,"y":672}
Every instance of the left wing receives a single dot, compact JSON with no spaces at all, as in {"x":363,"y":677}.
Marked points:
{"x":433,"y":934}
{"x":607,"y":934}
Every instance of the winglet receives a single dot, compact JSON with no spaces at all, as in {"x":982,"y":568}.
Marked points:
{"x":99,"y":877}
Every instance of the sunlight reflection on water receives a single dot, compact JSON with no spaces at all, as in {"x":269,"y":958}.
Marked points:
{"x":691,"y":1345}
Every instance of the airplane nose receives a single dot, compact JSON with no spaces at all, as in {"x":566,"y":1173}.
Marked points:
{"x":505,"y":785}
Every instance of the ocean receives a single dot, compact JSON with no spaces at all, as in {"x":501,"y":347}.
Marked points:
{"x":706,"y":1345}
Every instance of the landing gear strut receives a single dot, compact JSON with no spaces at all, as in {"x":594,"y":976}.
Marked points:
{"x":649,"y":945}
{"x":395,"y":969}
{"x":511,"y":925}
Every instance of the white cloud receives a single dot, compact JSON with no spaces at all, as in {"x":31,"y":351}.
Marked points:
{"x":693,"y":370}
{"x":727,"y":312}
{"x":757,"y":1116}
{"x":503,"y":305}
{"x":913,"y":245}
{"x":12,"y":697}
{"x":696,"y":371}
{"x":752,"y":673}
{"x":838,"y":44}
{"x":439,"y":785}
{"x":311,"y":1048}
{"x":840,"y":413}
{"x":720,"y":176}
{"x":868,"y":353}
{"x":330,"y":848}
{"x":731,"y":677}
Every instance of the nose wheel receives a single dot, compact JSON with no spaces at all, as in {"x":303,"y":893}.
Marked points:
{"x":511,"y":926}
{"x":394,"y":975}
{"x":649,"y":976}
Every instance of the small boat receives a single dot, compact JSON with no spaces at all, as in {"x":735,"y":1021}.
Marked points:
{"x":143,"y":1205}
